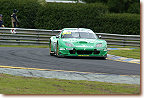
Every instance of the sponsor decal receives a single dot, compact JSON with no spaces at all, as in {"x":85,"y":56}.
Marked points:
{"x":66,"y":33}
{"x":83,"y":55}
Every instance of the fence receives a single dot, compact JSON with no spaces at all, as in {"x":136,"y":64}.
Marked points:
{"x":20,"y":36}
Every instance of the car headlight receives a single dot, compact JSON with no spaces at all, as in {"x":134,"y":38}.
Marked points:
{"x":105,"y":49}
{"x":69,"y":44}
{"x":99,"y":45}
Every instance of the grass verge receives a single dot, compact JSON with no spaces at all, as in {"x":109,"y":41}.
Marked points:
{"x":26,"y":46}
{"x":10,"y":84}
{"x":118,"y":46}
{"x":135,"y":53}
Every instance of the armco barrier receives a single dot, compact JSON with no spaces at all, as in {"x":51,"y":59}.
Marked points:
{"x":20,"y":36}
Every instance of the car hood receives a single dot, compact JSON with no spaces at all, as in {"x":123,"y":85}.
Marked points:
{"x":83,"y":42}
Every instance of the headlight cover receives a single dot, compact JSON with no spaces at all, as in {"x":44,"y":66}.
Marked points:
{"x":99,"y":45}
{"x":69,"y":44}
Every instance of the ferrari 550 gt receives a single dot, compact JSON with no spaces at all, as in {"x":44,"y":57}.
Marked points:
{"x":77,"y":42}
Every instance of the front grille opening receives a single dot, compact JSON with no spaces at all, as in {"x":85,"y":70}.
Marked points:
{"x":96,"y":52}
{"x":72,"y":51}
{"x":84,"y":52}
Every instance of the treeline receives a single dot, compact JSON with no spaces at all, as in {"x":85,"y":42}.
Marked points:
{"x":27,"y":12}
{"x":120,"y":6}
{"x":96,"y":16}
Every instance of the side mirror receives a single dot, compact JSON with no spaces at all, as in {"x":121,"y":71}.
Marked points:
{"x":100,"y":36}
{"x":57,"y":36}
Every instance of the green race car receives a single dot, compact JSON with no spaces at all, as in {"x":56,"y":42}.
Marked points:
{"x":77,"y":42}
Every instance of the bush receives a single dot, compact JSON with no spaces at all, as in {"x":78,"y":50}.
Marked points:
{"x":116,"y":6}
{"x":123,"y":6}
{"x":26,"y":15}
{"x":134,"y":8}
{"x":119,"y":24}
{"x":41,"y":15}
{"x":95,"y":1}
{"x":58,"y":16}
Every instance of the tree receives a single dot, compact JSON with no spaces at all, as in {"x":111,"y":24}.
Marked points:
{"x":134,"y":8}
{"x":94,"y":1}
{"x":122,"y":6}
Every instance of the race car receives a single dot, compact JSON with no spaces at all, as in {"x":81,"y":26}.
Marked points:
{"x":77,"y":42}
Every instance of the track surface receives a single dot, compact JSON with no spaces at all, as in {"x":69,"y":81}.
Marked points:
{"x":40,"y":58}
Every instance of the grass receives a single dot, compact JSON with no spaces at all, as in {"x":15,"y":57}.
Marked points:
{"x":118,"y":46}
{"x":10,"y":84}
{"x":135,"y":53}
{"x":26,"y":46}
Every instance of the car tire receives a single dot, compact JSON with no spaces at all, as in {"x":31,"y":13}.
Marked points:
{"x":51,"y":54}
{"x":105,"y":57}
{"x":57,"y":51}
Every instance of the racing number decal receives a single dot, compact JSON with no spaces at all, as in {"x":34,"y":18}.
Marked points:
{"x":66,"y":33}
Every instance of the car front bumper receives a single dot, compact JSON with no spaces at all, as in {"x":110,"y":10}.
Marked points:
{"x":83,"y":52}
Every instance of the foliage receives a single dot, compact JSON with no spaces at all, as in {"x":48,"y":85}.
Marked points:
{"x":58,"y":16}
{"x":134,"y":8}
{"x":95,"y":1}
{"x":118,"y":24}
{"x":122,"y":6}
{"x":116,"y":5}
{"x":26,"y":15}
{"x":41,"y":15}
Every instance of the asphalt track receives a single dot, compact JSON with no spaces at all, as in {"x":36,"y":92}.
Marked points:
{"x":40,"y":58}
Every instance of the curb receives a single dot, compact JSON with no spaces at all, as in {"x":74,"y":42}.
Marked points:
{"x":121,"y":48}
{"x":101,"y":77}
{"x":123,"y":59}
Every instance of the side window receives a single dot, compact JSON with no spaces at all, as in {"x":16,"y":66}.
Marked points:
{"x":59,"y":34}
{"x":62,"y":36}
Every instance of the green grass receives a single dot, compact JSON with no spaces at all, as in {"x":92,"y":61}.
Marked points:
{"x":26,"y":46}
{"x":29,"y":85}
{"x":135,"y":53}
{"x":118,"y":46}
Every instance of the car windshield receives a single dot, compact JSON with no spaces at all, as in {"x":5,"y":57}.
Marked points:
{"x":87,"y":35}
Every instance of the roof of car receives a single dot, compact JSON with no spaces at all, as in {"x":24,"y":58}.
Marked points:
{"x":79,"y":29}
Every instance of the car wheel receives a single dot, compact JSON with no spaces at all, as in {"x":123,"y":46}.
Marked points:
{"x":57,"y":51}
{"x":105,"y":57}
{"x":51,"y":53}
